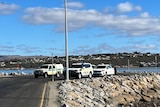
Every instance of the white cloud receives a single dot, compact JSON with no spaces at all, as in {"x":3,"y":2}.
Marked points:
{"x":128,"y":7}
{"x":8,"y":8}
{"x":101,"y":48}
{"x":4,"y":48}
{"x":139,"y":47}
{"x":28,"y":49}
{"x":145,"y":14}
{"x":40,"y":15}
{"x":141,"y":25}
{"x":104,"y":48}
{"x":76,"y":19}
{"x":75,"y":5}
{"x":146,"y":47}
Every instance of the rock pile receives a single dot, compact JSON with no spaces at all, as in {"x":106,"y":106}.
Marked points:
{"x":110,"y":91}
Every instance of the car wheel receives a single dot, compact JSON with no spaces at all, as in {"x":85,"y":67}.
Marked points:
{"x":79,"y":75}
{"x":115,"y":71}
{"x":45,"y":75}
{"x":106,"y":74}
{"x":90,"y":75}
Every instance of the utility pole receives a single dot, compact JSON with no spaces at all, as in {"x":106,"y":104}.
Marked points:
{"x":128,"y":66}
{"x":52,"y":69}
{"x":156,"y":63}
{"x":66,"y":39}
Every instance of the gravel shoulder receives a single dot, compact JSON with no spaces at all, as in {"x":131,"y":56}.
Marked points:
{"x":53,"y":94}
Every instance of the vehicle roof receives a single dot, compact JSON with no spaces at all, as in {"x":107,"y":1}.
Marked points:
{"x":51,"y":64}
{"x":80,"y":63}
{"x":104,"y":65}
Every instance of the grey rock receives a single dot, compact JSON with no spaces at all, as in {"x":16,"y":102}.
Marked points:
{"x":110,"y":91}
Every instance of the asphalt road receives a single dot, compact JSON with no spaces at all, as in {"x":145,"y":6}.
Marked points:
{"x":24,"y":91}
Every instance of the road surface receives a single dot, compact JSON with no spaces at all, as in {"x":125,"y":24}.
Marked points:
{"x":26,"y":91}
{"x":23,"y":91}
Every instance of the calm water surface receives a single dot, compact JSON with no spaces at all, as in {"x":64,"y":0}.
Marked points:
{"x":27,"y":71}
{"x":141,"y":69}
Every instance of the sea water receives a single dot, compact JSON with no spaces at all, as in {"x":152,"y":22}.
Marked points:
{"x":140,"y":69}
{"x":26,"y":71}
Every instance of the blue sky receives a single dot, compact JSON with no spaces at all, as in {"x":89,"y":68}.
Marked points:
{"x":107,"y":26}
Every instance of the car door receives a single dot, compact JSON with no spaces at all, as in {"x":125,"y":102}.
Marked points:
{"x":51,"y":70}
{"x":86,"y":69}
{"x":110,"y":70}
{"x":83,"y":71}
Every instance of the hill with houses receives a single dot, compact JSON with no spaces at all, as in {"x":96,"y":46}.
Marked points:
{"x":135,"y":59}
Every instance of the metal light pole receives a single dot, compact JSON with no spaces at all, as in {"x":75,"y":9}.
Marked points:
{"x":156,"y":62}
{"x":66,"y":40}
{"x":52,"y":69}
{"x":128,"y":66}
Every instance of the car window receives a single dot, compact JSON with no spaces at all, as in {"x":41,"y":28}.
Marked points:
{"x":50,"y":67}
{"x":101,"y":66}
{"x":81,"y":66}
{"x":76,"y":66}
{"x":86,"y":65}
{"x":44,"y":66}
{"x":109,"y":67}
{"x":53,"y":66}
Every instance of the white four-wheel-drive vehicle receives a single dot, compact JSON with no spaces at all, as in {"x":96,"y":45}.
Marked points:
{"x":103,"y":70}
{"x":81,"y":70}
{"x":48,"y":70}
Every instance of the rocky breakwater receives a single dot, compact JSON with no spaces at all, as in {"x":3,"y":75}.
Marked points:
{"x":111,"y":91}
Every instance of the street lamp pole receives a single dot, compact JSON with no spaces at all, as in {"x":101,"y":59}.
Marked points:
{"x":66,"y":40}
{"x":52,"y":69}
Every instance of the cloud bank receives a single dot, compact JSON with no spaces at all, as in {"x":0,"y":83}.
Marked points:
{"x":8,"y":8}
{"x":140,"y":25}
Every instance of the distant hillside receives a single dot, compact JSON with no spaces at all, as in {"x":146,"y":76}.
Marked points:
{"x":118,"y":59}
{"x":10,"y":57}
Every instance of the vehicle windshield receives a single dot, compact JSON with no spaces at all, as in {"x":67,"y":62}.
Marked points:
{"x":101,"y":66}
{"x":44,"y":66}
{"x":76,"y":66}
